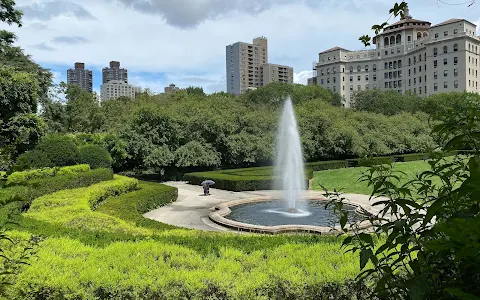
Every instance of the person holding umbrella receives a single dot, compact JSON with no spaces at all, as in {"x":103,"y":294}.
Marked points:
{"x":206,"y":186}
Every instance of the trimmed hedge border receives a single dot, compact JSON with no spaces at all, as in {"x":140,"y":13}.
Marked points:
{"x":260,"y":178}
{"x":131,"y":206}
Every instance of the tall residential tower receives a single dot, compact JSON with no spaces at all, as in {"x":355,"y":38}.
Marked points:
{"x":247,"y":66}
{"x":114,"y":72}
{"x":80,"y":76}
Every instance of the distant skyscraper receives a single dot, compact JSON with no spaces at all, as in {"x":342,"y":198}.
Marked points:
{"x":80,"y":77}
{"x":114,"y":73}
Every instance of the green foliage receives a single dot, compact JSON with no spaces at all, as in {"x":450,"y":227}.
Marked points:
{"x":24,"y":194}
{"x":73,"y":208}
{"x":130,"y":206}
{"x":386,"y":102}
{"x":83,"y":110}
{"x":289,"y":271}
{"x":427,"y":226}
{"x":20,"y":134}
{"x":195,"y":154}
{"x":9,"y":14}
{"x":61,"y":151}
{"x":22,"y":177}
{"x":95,"y":156}
{"x":18,"y":91}
{"x":195,"y":90}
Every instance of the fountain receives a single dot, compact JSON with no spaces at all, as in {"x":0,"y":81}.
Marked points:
{"x":289,"y":161}
{"x":291,"y":209}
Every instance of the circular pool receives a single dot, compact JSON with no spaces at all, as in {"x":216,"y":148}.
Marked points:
{"x":271,"y":213}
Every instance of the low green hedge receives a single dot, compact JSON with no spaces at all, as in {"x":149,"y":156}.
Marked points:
{"x":31,"y":189}
{"x":74,"y":207}
{"x":131,"y":206}
{"x":22,"y":177}
{"x":261,"y":178}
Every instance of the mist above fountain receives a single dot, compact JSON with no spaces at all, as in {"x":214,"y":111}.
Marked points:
{"x":289,"y":167}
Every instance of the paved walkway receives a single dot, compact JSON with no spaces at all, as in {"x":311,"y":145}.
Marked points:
{"x":192,"y":208}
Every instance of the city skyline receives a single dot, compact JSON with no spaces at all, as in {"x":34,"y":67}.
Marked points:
{"x":182,"y":48}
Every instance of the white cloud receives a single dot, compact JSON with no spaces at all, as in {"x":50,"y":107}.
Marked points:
{"x":301,"y":77}
{"x":144,"y":42}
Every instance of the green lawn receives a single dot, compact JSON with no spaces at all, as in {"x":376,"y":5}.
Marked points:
{"x":347,"y":180}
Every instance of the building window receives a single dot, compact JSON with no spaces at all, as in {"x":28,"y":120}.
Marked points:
{"x":351,"y":78}
{"x":435,"y":63}
{"x":366,"y":77}
{"x":455,"y":31}
{"x":328,"y":80}
{"x":351,"y":87}
{"x":436,"y":35}
{"x":409,"y":61}
{"x":374,"y":68}
{"x":334,"y":79}
{"x":445,"y":85}
{"x":359,"y":87}
{"x":445,"y":73}
{"x":435,"y":52}
{"x":399,"y":63}
{"x":359,"y":68}
{"x":409,"y":72}
{"x":445,"y":49}
{"x":374,"y":77}
{"x":420,"y":90}
{"x":435,"y":86}
{"x":328,"y":70}
{"x":351,"y":69}
{"x":390,"y":65}
{"x":435,"y":75}
{"x":455,"y":47}
{"x":409,"y":38}
{"x":455,"y":60}
{"x":333,"y":70}
{"x":366,"y":68}
{"x":386,"y":66}
{"x":455,"y":72}
{"x":409,"y":82}
{"x":445,"y":61}
{"x":455,"y":84}
{"x":358,"y":78}
{"x":445,"y":33}
{"x":414,"y":60}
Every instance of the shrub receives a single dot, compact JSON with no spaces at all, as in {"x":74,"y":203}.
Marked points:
{"x":32,"y":159}
{"x":22,"y":177}
{"x":327,"y":165}
{"x":95,"y":156}
{"x":61,"y":150}
{"x":131,"y":206}
{"x":38,"y":187}
{"x":73,"y":208}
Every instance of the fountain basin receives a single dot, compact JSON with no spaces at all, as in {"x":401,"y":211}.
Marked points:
{"x":266,"y":215}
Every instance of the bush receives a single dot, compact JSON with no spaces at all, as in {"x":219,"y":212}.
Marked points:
{"x":131,"y":206}
{"x":21,"y":177}
{"x":38,"y":187}
{"x":95,"y":156}
{"x":73,"y":208}
{"x":61,"y":150}
{"x":32,"y":160}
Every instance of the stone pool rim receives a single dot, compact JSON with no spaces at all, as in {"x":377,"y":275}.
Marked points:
{"x":219,"y":213}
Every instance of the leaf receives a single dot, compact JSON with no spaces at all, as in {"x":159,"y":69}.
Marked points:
{"x":365,"y":254}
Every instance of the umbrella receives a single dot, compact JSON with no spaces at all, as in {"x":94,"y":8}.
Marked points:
{"x":208,"y":182}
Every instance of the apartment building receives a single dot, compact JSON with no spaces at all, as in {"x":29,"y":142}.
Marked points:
{"x":247,"y":66}
{"x":275,"y":73}
{"x":80,"y":76}
{"x":409,"y":55}
{"x":118,"y":88}
{"x":114,"y":72}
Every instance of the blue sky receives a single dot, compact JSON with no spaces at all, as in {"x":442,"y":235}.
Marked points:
{"x":183,"y":41}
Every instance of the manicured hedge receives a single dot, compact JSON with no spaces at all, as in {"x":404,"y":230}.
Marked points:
{"x":74,"y":207}
{"x":131,"y":206}
{"x":261,"y":178}
{"x":22,"y":177}
{"x":67,"y":269}
{"x":24,"y":194}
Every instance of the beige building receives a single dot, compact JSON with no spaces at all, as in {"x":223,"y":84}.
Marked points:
{"x":246,"y":65}
{"x":275,"y":73}
{"x":118,"y":88}
{"x":409,"y":55}
{"x":171,"y":88}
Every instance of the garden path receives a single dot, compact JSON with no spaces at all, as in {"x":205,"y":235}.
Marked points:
{"x":192,"y":208}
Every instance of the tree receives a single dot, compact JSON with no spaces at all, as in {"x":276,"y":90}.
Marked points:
{"x":83,"y":110}
{"x":195,"y":90}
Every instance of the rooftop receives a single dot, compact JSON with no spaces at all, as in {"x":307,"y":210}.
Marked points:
{"x":334,"y":49}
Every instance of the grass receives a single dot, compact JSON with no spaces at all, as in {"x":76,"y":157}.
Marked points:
{"x":347,"y":180}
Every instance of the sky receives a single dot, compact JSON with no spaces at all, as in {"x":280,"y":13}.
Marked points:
{"x":183,"y":41}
